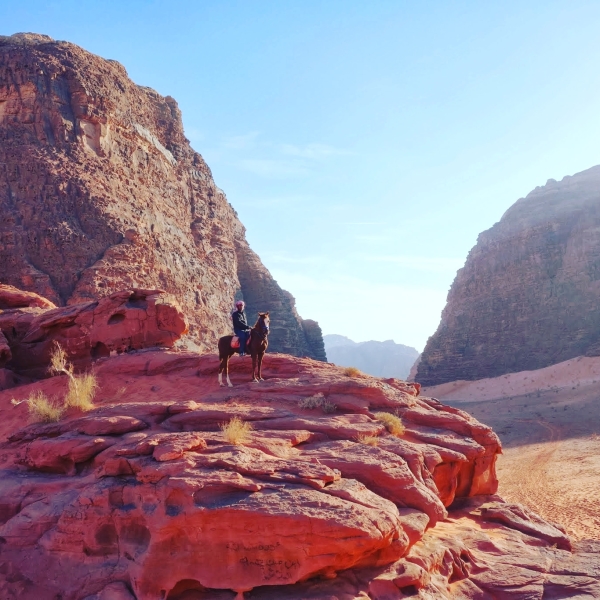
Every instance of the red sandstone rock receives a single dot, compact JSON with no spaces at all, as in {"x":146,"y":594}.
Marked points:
{"x":125,"y":320}
{"x":101,"y":191}
{"x":143,"y":498}
{"x":11,"y":297}
{"x":527,"y":296}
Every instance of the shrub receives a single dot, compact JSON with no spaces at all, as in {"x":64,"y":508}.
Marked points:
{"x":327,"y":406}
{"x":312,"y":401}
{"x":318,"y":401}
{"x":369,"y":440}
{"x":41,"y":408}
{"x":236,"y":431}
{"x":81,"y":388}
{"x":392,"y":423}
{"x":81,"y":391}
{"x":352,"y":372}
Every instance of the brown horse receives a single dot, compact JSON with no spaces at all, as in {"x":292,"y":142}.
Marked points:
{"x":258,"y":346}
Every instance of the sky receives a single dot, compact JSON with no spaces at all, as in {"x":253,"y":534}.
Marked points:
{"x":364,"y":145}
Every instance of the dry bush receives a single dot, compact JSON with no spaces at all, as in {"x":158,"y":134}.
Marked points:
{"x":41,"y":408}
{"x":236,"y":431}
{"x":312,"y":401}
{"x":369,"y":440}
{"x":81,"y":389}
{"x":392,"y":423}
{"x":352,"y":372}
{"x":58,"y":361}
{"x":81,"y":392}
{"x":318,"y":401}
{"x":327,"y":406}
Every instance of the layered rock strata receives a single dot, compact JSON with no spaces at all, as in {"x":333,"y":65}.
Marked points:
{"x":100,"y":191}
{"x":527,"y":296}
{"x":121,"y":322}
{"x":146,"y":496}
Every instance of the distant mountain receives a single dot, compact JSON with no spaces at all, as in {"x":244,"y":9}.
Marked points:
{"x":382,"y":359}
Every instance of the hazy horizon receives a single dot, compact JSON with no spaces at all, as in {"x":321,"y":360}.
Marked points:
{"x":364,"y":146}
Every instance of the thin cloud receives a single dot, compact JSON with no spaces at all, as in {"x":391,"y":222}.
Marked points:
{"x":240,"y":142}
{"x":273,"y":168}
{"x":313,"y":151}
{"x":434,"y":264}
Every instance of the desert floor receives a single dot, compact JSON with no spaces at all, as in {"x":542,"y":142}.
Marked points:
{"x":549,"y":424}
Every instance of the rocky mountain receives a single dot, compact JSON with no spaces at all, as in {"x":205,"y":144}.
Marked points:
{"x":100,"y":191}
{"x":527,"y":296}
{"x":382,"y":359}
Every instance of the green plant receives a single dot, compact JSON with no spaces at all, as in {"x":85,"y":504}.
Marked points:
{"x":392,"y":423}
{"x":236,"y":431}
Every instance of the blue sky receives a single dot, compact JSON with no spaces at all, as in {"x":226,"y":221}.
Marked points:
{"x":365,"y":145}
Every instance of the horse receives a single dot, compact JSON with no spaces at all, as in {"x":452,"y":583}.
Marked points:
{"x":258,"y":346}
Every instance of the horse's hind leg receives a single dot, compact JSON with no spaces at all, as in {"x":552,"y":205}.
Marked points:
{"x":227,"y":370}
{"x":221,"y":367}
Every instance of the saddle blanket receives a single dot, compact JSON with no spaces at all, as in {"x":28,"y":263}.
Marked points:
{"x":235,"y":342}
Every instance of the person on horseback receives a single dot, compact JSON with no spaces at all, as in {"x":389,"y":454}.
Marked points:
{"x":240,"y":325}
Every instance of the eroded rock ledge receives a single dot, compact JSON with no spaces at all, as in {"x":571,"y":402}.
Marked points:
{"x":143,"y":498}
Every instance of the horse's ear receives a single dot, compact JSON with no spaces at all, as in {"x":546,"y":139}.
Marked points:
{"x":267,"y":314}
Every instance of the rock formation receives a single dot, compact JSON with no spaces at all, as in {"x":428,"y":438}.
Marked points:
{"x":527,"y":296}
{"x":144,"y":497}
{"x":100,"y":191}
{"x":123,"y":321}
{"x":382,"y":359}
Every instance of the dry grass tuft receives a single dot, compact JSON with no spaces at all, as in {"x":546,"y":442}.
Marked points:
{"x":41,"y":408}
{"x":58,"y":361}
{"x":369,"y":440}
{"x":236,"y":431}
{"x":318,"y":401}
{"x":81,"y":389}
{"x":392,"y":423}
{"x":352,"y":372}
{"x":81,"y":392}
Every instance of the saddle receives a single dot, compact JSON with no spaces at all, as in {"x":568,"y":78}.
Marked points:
{"x":235,"y":341}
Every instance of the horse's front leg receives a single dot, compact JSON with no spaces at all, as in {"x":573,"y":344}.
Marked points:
{"x":260,"y":359}
{"x":254,"y":368}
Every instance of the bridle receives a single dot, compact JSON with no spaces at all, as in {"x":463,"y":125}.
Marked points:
{"x":262,"y":329}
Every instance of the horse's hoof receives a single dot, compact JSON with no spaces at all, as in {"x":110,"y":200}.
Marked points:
{"x":260,"y":379}
{"x":221,"y":385}
{"x":255,"y":380}
{"x":230,"y":384}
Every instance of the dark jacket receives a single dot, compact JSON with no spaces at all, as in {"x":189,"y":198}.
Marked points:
{"x":239,"y":321}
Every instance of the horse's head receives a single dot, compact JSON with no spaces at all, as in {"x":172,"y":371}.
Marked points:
{"x":263,"y":322}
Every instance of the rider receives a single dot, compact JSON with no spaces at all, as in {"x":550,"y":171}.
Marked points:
{"x":240,"y":325}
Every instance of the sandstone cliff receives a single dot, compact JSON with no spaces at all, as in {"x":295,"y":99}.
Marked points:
{"x":100,"y":191}
{"x":527,"y":296}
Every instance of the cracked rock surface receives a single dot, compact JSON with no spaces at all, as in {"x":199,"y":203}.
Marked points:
{"x":144,"y":497}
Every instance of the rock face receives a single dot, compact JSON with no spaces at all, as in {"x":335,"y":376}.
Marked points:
{"x":124,"y":321}
{"x":527,"y":296}
{"x":145,"y":497}
{"x":100,"y":191}
{"x":382,"y":359}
